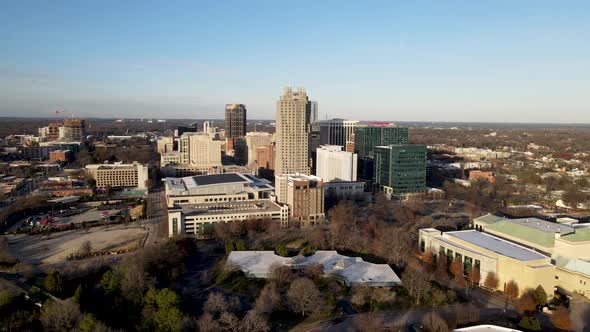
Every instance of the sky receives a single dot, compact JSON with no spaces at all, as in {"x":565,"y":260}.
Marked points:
{"x":471,"y":61}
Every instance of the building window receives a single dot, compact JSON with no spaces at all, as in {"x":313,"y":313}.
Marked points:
{"x":449,"y":255}
{"x":174,"y":225}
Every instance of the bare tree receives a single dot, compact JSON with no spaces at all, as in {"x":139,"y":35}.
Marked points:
{"x":561,"y":319}
{"x":456,"y":269}
{"x":342,"y":219}
{"x":268,"y":299}
{"x":304,"y":296}
{"x":417,"y":283}
{"x":313,"y":271}
{"x":441,"y":273}
{"x":393,"y":244}
{"x":282,"y":275}
{"x":434,"y":323}
{"x":254,"y":322}
{"x":491,"y":281}
{"x":215,"y":303}
{"x":229,"y":322}
{"x":222,"y":231}
{"x":526,"y":302}
{"x":64,"y":316}
{"x":85,"y":248}
{"x":474,"y":276}
{"x":511,"y":290}
{"x":207,"y":324}
{"x":429,"y":260}
{"x":361,"y":295}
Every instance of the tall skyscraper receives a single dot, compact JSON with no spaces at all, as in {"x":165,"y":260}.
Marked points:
{"x":235,"y":120}
{"x":336,"y":131}
{"x":292,"y":152}
{"x":312,"y":112}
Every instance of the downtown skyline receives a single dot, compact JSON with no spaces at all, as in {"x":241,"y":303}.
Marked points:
{"x":500,"y":62}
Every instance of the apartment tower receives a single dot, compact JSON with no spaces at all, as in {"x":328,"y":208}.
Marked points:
{"x":292,"y":133}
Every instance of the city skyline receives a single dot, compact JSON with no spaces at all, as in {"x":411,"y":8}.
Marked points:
{"x":506,"y":62}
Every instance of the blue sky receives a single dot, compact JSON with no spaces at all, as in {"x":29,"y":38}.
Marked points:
{"x":501,"y":61}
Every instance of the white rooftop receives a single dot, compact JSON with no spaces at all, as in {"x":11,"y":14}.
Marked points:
{"x":485,"y":328}
{"x":354,"y":270}
{"x":542,"y":225}
{"x":496,"y":245}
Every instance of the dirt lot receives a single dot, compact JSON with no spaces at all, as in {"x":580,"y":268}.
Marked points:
{"x":54,"y":248}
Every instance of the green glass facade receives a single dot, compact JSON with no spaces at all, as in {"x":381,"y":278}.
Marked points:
{"x":366,"y":138}
{"x":401,"y":167}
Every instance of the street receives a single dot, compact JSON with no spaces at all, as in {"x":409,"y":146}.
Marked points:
{"x":157,"y":216}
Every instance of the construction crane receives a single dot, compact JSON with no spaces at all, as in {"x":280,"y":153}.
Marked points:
{"x":57,"y":113}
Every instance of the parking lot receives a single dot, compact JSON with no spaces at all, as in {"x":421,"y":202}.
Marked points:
{"x":55,"y":247}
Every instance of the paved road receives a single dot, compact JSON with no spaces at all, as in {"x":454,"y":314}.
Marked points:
{"x":397,"y":320}
{"x":484,"y":306}
{"x":21,"y":286}
{"x":157,"y":217}
{"x":580,"y":315}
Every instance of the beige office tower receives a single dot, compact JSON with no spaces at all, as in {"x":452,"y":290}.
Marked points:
{"x":254,"y":140}
{"x":200,"y":149}
{"x":292,"y":151}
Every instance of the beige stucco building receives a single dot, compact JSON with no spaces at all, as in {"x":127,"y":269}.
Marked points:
{"x":509,"y":261}
{"x":200,"y":149}
{"x":565,"y":250}
{"x":119,"y":175}
{"x":254,"y":140}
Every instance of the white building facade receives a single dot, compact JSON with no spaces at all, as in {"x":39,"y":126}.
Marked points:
{"x":333,"y":164}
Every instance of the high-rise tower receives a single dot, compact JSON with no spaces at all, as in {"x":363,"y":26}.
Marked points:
{"x":292,"y":150}
{"x":235,"y":120}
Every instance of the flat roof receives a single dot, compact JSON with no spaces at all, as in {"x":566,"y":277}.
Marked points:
{"x":542,"y":225}
{"x":203,"y":180}
{"x":489,"y":219}
{"x":485,"y":328}
{"x":217,"y":208}
{"x":180,"y":185}
{"x":497,"y":245}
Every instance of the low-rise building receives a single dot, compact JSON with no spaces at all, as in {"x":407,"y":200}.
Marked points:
{"x":165,"y":144}
{"x":60,"y":155}
{"x":476,"y":175}
{"x":216,"y":188}
{"x":567,"y":247}
{"x":351,"y":270}
{"x":265,"y":156}
{"x":304,"y":194}
{"x":199,"y":219}
{"x":197,"y":203}
{"x":119,"y":175}
{"x":491,"y":254}
{"x":345,"y":189}
{"x":169,"y":158}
